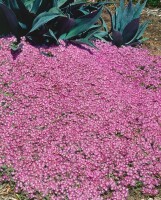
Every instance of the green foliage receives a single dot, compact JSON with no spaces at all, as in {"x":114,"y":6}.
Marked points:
{"x":126,"y":29}
{"x":153,"y":3}
{"x":47,"y":21}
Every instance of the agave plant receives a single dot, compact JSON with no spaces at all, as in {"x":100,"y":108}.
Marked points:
{"x":125,"y":27}
{"x":47,"y":21}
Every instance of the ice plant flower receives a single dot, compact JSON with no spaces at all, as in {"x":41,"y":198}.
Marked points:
{"x":82,"y":123}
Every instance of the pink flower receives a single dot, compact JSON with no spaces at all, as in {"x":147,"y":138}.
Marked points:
{"x":83,"y":123}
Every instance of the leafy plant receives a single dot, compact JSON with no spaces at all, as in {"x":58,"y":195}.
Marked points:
{"x":153,"y":3}
{"x":126,"y":29}
{"x":47,"y":21}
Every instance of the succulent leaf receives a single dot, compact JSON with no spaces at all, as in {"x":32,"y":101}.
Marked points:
{"x":84,"y":23}
{"x":125,"y":24}
{"x":117,"y":38}
{"x":101,"y":35}
{"x":11,"y":20}
{"x":74,"y":10}
{"x":104,"y":24}
{"x":138,"y":9}
{"x":139,"y":33}
{"x":141,"y":29}
{"x":64,"y":26}
{"x":40,"y":21}
{"x":130,"y":30}
{"x":127,"y":15}
{"x":61,"y":2}
{"x":35,"y":6}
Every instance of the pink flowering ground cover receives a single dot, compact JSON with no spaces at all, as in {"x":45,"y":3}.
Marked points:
{"x":83,"y":124}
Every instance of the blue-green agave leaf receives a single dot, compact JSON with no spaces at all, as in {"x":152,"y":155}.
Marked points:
{"x":42,"y":19}
{"x":141,"y":29}
{"x":64,"y":26}
{"x":67,"y":2}
{"x":45,"y":5}
{"x":140,"y":32}
{"x":101,"y":35}
{"x":74,"y":10}
{"x":137,"y":42}
{"x":117,"y":18}
{"x":85,"y":12}
{"x":61,"y":2}
{"x":122,"y":5}
{"x":138,"y":9}
{"x":21,"y":12}
{"x":117,"y":38}
{"x":28,"y":5}
{"x":130,"y":30}
{"x":104,"y":24}
{"x":127,"y":15}
{"x":35,"y":6}
{"x":19,"y":5}
{"x":90,"y":33}
{"x":53,"y":10}
{"x":51,"y":34}
{"x":11,"y":20}
{"x":55,"y":3}
{"x":84,"y":23}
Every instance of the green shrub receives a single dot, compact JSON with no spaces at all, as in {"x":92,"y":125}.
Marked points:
{"x":48,"y":21}
{"x":153,"y":3}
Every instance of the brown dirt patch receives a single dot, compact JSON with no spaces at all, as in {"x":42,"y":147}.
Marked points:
{"x":153,"y":31}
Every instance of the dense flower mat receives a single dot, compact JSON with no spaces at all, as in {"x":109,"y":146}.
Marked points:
{"x":83,"y":123}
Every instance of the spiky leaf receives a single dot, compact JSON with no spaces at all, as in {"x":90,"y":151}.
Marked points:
{"x":10,"y":19}
{"x":117,"y":38}
{"x":139,"y":8}
{"x":130,"y":30}
{"x":84,"y":23}
{"x":64,"y":25}
{"x":140,"y":32}
{"x":43,"y":19}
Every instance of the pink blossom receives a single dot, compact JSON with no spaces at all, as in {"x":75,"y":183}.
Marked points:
{"x":81,"y":124}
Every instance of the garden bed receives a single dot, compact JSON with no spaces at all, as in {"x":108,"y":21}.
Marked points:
{"x":79,"y":123}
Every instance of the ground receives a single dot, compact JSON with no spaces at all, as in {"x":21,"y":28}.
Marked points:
{"x":153,"y":31}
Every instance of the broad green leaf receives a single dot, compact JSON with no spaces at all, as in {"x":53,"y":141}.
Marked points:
{"x":140,"y":31}
{"x":55,"y":3}
{"x":117,"y":38}
{"x":104,"y":24}
{"x":100,"y":35}
{"x":118,"y":18}
{"x":11,"y":19}
{"x":45,"y":18}
{"x":138,"y":9}
{"x":84,"y":23}
{"x":61,"y":2}
{"x":64,"y":25}
{"x":127,"y":16}
{"x":130,"y":30}
{"x":18,"y":5}
{"x":35,"y":6}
